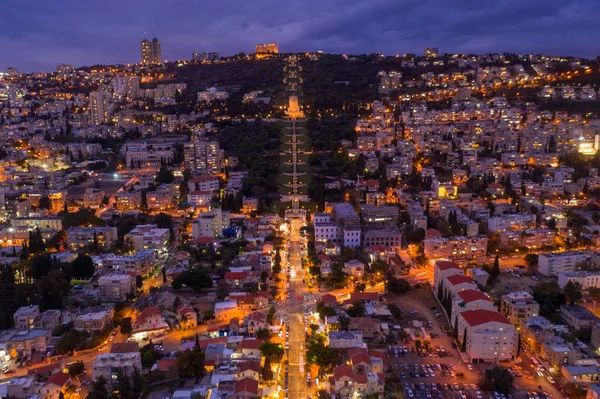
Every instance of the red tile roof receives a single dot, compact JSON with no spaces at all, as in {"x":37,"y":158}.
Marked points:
{"x":361,"y":378}
{"x":185,"y":309}
{"x":473,"y":295}
{"x":459,"y":279}
{"x":342,"y":371}
{"x":251,"y":343}
{"x":360,"y":358}
{"x":446,"y":265}
{"x":59,"y":379}
{"x":482,"y":316}
{"x":250,"y":365}
{"x":166,"y":364}
{"x":246,"y":385}
{"x":329,"y":298}
{"x":147,"y":313}
{"x":205,"y":240}
{"x":235,"y":275}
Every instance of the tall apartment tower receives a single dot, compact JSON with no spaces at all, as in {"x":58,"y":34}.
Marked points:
{"x":156,"y":51}
{"x":99,"y":107}
{"x":151,"y":51}
{"x":145,"y":49}
{"x":202,"y":155}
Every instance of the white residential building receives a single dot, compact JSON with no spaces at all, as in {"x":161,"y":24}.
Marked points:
{"x":587,"y":279}
{"x":551,"y":264}
{"x":211,"y":223}
{"x":147,"y":236}
{"x":490,"y":337}
{"x":519,"y":306}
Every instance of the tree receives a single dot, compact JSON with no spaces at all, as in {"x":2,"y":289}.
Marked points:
{"x":83,"y":267}
{"x":149,"y":355}
{"x":325,"y":311}
{"x":397,"y":286}
{"x":45,"y":202}
{"x":531,"y":259}
{"x":360,"y":287}
{"x":357,"y":309}
{"x":76,"y":369}
{"x":126,"y":327}
{"x":573,"y":292}
{"x":271,"y":350}
{"x":99,"y":390}
{"x":418,"y":344}
{"x":164,"y":275}
{"x":164,"y":175}
{"x":52,"y":289}
{"x":190,"y":363}
{"x":495,"y":271}
{"x":550,"y":296}
{"x":271,"y":314}
{"x":317,"y":352}
{"x":498,"y":379}
{"x":139,"y":282}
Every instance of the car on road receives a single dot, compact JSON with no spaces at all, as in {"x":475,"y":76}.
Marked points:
{"x":470,"y":367}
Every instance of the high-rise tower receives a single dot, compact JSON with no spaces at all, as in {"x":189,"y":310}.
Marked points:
{"x":145,"y":50}
{"x":151,"y":51}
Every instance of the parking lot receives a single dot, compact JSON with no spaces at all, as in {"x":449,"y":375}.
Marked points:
{"x":437,"y":366}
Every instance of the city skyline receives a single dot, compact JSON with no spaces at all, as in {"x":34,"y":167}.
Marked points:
{"x":37,"y":36}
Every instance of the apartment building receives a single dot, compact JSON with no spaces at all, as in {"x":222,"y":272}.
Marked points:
{"x":26,"y":317}
{"x":560,"y":353}
{"x":115,"y":287}
{"x":93,"y":320}
{"x":141,"y":263}
{"x":211,"y":223}
{"x":345,"y":339}
{"x":227,"y":310}
{"x":457,"y":283}
{"x":92,"y":198}
{"x":455,"y":247}
{"x":515,"y":221}
{"x":160,"y":200}
{"x":519,"y":306}
{"x":587,"y":279}
{"x":341,"y":226}
{"x":578,"y":317}
{"x":470,"y":299}
{"x":551,"y":264}
{"x":202,"y":155}
{"x":110,"y":365}
{"x":490,"y":337}
{"x":33,"y":222}
{"x":533,"y":238}
{"x":25,"y":343}
{"x":374,"y":217}
{"x":443,"y":269}
{"x":128,"y":201}
{"x":147,"y":236}
{"x":82,"y":237}
{"x":204,"y":183}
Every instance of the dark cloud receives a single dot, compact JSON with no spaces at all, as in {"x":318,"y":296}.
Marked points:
{"x":35,"y":35}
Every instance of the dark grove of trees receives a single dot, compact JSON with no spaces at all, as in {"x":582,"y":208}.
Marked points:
{"x":256,"y":144}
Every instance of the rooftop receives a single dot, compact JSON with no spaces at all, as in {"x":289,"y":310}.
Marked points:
{"x":482,"y":316}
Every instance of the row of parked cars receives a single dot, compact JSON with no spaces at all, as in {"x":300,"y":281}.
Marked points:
{"x":435,"y":390}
